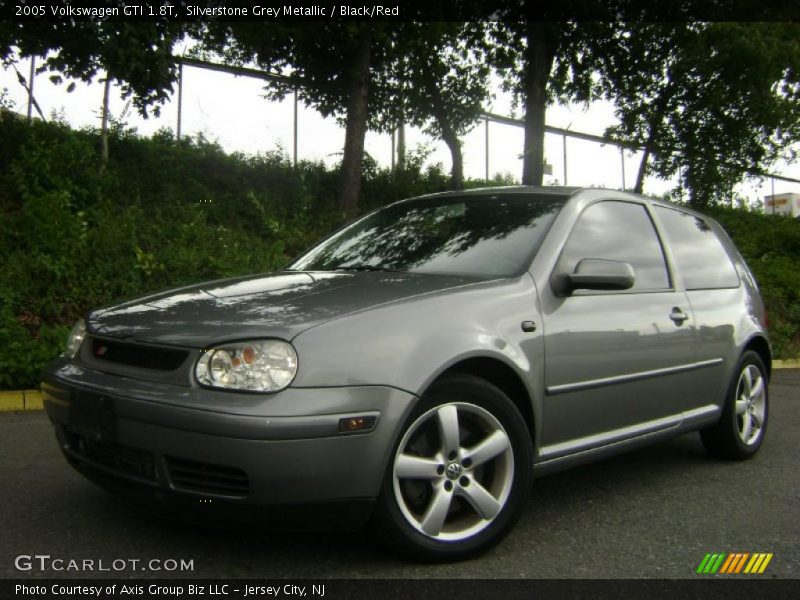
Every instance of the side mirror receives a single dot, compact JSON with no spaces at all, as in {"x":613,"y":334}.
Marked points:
{"x":596,"y":274}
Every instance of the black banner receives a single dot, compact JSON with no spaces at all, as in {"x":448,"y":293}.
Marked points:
{"x":744,"y":588}
{"x":397,"y":10}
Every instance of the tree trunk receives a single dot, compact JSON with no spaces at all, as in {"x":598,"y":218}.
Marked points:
{"x":652,"y":134}
{"x":401,"y":147}
{"x":540,"y":55}
{"x":356,"y":129}
{"x":448,"y":133}
{"x":698,"y":194}
{"x":643,"y":165}
{"x":104,"y":125}
{"x":694,"y":199}
{"x":457,"y":171}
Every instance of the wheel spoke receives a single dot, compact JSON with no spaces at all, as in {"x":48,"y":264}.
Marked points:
{"x":481,"y":500}
{"x":755,"y":419}
{"x":448,"y":428}
{"x":748,"y":383}
{"x":747,"y":427}
{"x":760,"y":412}
{"x":741,"y":407}
{"x":415,"y":467}
{"x":757,"y":389}
{"x":486,"y":450}
{"x":433,"y":520}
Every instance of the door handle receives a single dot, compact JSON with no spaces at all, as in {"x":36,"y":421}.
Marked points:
{"x":678,"y":316}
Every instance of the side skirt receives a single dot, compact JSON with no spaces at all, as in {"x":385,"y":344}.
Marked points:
{"x":585,"y":450}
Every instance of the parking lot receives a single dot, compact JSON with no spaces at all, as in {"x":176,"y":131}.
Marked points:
{"x":651,"y":513}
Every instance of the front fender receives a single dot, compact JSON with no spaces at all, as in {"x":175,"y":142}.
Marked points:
{"x":407,"y":344}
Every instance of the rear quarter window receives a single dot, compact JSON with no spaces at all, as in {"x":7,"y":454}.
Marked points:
{"x":700,"y":256}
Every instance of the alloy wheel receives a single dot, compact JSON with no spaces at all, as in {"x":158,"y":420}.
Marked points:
{"x":453,"y":471}
{"x":750,"y":404}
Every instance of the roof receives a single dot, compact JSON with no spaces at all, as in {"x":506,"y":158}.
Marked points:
{"x":553,"y":190}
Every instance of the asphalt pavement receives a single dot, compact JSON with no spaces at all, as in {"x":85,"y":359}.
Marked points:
{"x":652,"y":513}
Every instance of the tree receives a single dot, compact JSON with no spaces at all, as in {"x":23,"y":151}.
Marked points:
{"x":439,"y":81}
{"x":138,"y":56}
{"x":544,"y":61}
{"x":648,"y":81}
{"x":331,"y":64}
{"x":712,"y":101}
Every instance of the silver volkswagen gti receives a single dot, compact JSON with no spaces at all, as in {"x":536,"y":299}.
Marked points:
{"x":420,"y":366}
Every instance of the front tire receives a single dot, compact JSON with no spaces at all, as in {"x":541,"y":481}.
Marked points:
{"x":741,"y":429}
{"x":459,"y":475}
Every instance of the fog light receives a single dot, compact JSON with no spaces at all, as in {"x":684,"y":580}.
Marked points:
{"x":353,"y":424}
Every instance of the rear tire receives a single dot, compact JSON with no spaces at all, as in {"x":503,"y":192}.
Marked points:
{"x":741,"y":429}
{"x":459,"y":475}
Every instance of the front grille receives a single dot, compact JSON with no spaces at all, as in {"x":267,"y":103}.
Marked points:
{"x":120,"y":459}
{"x":145,"y":357}
{"x":207,"y":478}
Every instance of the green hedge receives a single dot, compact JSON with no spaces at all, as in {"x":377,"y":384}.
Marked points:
{"x":161,"y":214}
{"x":771,"y":246}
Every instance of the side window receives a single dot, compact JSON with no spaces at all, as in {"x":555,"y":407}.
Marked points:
{"x":701,"y":259}
{"x":619,"y":231}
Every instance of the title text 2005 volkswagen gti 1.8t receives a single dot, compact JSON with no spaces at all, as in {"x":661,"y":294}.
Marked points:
{"x":418,"y":367}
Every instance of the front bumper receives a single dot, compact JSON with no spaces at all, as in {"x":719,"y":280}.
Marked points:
{"x":202,"y":446}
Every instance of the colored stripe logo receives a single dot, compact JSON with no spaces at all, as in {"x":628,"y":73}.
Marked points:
{"x":735,"y":562}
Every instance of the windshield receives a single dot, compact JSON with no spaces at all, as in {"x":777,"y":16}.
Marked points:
{"x":481,"y":236}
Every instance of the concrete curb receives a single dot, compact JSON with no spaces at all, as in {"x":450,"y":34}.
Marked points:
{"x":21,"y":400}
{"x":789,"y":363}
{"x":32,"y":399}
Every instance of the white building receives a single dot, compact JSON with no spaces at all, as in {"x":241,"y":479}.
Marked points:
{"x":782,"y":204}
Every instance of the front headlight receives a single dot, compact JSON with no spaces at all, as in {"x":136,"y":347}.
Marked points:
{"x":257,"y":366}
{"x":75,"y":339}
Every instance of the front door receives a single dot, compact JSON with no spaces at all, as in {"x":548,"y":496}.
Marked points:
{"x":616,"y":362}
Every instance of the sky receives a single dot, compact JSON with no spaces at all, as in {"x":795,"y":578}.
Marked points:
{"x":232,"y":111}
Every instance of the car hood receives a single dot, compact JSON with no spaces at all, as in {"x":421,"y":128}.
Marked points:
{"x":278,"y":305}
